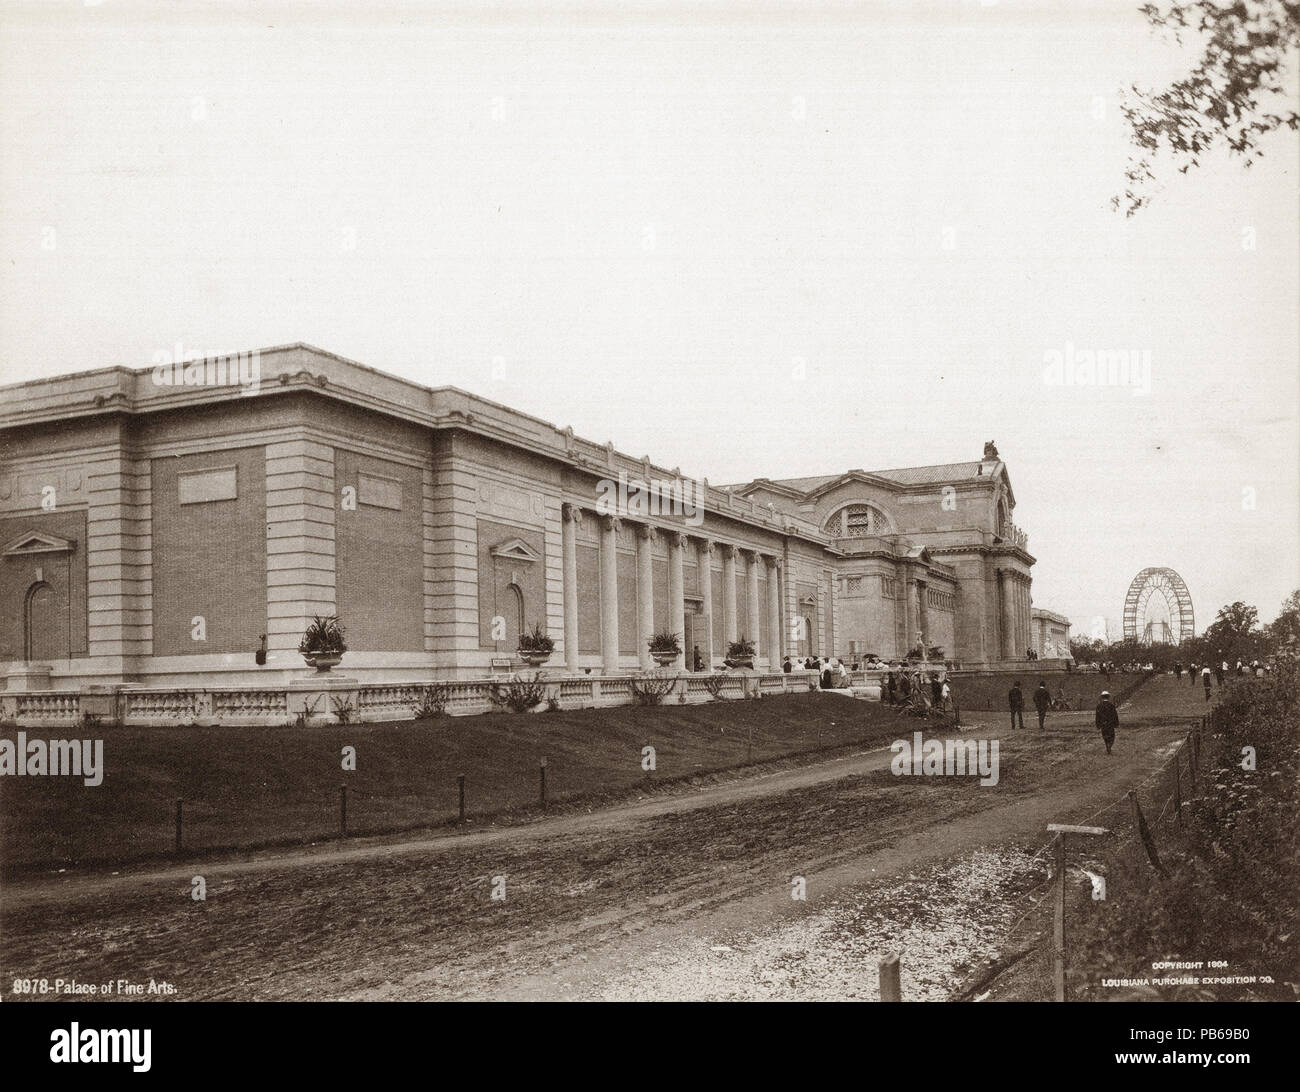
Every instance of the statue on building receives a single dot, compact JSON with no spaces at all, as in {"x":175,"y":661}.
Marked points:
{"x":990,"y":450}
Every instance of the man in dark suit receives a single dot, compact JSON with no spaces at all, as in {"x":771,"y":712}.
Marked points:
{"x":1042,"y":702}
{"x":1016,"y":701}
{"x":1107,"y":719}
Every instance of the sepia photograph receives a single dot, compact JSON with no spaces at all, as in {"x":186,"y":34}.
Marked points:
{"x":649,"y":501}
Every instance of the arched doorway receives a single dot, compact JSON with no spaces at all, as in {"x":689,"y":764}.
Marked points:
{"x":42,"y":636}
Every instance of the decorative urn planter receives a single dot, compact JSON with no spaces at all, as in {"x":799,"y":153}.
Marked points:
{"x":740,"y":661}
{"x":533,"y":657}
{"x":322,"y":661}
{"x":665,"y":659}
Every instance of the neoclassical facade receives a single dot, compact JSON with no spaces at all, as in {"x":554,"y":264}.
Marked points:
{"x":160,"y":528}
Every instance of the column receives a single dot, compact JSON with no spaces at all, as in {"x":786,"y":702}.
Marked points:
{"x":1008,"y":614}
{"x":774,"y":614}
{"x":645,"y":594}
{"x":676,"y":591}
{"x":571,"y":516}
{"x":704,"y":563}
{"x":609,"y":529}
{"x":909,"y":634}
{"x":729,"y":594}
{"x":923,"y":615}
{"x":751,"y":588}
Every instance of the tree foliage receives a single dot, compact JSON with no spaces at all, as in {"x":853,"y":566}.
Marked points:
{"x":1236,"y":93}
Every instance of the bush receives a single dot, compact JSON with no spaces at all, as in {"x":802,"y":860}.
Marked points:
{"x":431,"y":702}
{"x":518,"y":695}
{"x":652,"y":689}
{"x":1232,"y":874}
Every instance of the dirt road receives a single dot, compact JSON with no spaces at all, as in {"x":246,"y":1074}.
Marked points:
{"x":595,"y":903}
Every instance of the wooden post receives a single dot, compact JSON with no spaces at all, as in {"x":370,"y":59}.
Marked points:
{"x":179,"y":807}
{"x":1178,"y":790}
{"x":1191,"y":761}
{"x":460,"y":785}
{"x":1058,"y":928}
{"x":891,"y":988}
{"x":343,"y":811}
{"x":1058,"y":931}
{"x":542,"y":771}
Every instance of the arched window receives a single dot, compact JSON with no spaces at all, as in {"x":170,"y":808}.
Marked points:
{"x":856,"y":521}
{"x":515,"y":597}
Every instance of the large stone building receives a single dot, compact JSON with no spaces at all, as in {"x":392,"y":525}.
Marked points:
{"x":156,"y":523}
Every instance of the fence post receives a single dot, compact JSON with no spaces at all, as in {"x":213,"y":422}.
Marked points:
{"x":1058,"y":925}
{"x":460,"y":785}
{"x":1191,"y":760}
{"x":179,"y":807}
{"x":891,"y":988}
{"x":542,"y":771}
{"x":343,"y":811}
{"x":1178,"y":790}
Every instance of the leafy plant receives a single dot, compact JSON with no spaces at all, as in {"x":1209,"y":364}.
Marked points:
{"x":90,"y":722}
{"x":536,"y":640}
{"x":303,"y":717}
{"x":518,"y":695}
{"x":666,"y":642}
{"x":323,"y":637}
{"x":432,"y":701}
{"x":652,"y":689}
{"x":741,"y":649}
{"x":343,"y":709}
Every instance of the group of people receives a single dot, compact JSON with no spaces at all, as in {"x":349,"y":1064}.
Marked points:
{"x":899,"y":687}
{"x":1107,"y":716}
{"x":906,"y":687}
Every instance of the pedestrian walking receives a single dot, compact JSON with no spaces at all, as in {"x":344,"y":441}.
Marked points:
{"x":1016,"y":702}
{"x":1042,"y":702}
{"x":1205,"y":679}
{"x":1107,"y":719}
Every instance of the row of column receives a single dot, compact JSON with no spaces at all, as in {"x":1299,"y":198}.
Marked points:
{"x":678,"y":543}
{"x":1015,"y":614}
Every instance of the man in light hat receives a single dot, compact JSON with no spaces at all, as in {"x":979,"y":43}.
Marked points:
{"x":1107,"y":719}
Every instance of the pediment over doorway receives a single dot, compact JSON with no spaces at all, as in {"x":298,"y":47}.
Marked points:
{"x":37,"y":542}
{"x":515,"y":549}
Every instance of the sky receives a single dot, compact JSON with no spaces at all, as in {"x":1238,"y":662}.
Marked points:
{"x":748,"y":240}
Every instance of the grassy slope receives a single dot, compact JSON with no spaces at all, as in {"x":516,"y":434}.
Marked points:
{"x":251,"y":786}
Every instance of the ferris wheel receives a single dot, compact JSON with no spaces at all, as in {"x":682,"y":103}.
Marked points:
{"x":1182,"y":622}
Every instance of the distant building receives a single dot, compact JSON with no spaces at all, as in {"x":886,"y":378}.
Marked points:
{"x":1051,"y":634}
{"x":156,"y":523}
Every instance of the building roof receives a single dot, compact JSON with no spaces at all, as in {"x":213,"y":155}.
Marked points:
{"x":903,"y":475}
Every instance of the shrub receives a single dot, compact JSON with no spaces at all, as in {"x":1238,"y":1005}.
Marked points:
{"x":713,"y":684}
{"x":431,"y":701}
{"x":518,"y":695}
{"x":652,"y":689}
{"x":343,"y":709}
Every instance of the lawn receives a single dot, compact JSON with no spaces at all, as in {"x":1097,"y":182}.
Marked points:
{"x":246,"y":787}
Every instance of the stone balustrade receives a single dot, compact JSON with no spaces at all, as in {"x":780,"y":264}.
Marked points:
{"x":272,"y":706}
